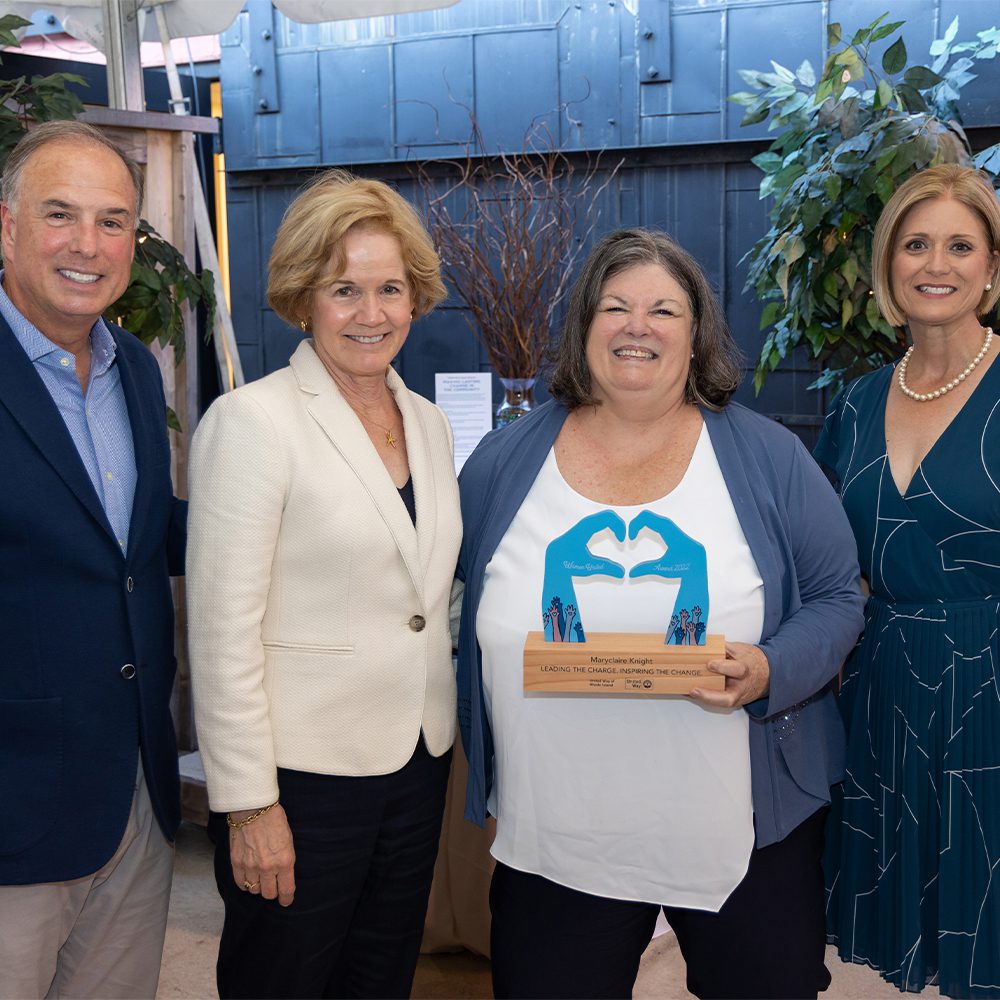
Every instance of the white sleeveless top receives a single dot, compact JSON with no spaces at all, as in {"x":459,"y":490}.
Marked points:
{"x":630,"y":798}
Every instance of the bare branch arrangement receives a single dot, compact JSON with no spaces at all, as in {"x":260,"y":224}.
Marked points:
{"x":510,"y":229}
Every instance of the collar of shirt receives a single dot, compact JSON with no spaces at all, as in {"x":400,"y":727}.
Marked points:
{"x":40,"y":349}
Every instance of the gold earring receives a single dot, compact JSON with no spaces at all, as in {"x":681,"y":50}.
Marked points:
{"x":302,"y":325}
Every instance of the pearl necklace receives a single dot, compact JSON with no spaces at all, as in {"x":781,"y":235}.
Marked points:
{"x":922,"y":397}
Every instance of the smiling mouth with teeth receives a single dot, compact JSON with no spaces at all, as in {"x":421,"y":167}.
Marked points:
{"x":634,"y":352}
{"x":367,"y":340}
{"x":936,"y":289}
{"x":79,"y":277}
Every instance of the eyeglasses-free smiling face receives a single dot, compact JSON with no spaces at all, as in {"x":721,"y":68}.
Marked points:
{"x":640,"y":339}
{"x":69,"y":240}
{"x":360,"y":320}
{"x":941,"y":263}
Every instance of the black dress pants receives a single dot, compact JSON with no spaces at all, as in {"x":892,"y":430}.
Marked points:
{"x":364,"y":858}
{"x":767,"y":941}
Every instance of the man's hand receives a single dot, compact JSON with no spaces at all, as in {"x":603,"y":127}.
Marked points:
{"x":263,"y":855}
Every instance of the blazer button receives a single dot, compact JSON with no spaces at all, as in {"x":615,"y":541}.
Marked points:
{"x":130,"y":585}
{"x":417,"y":623}
{"x":128,"y":671}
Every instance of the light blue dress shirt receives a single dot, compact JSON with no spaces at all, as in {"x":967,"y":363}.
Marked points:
{"x":96,"y":420}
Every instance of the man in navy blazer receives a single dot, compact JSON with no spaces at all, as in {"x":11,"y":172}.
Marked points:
{"x":89,"y":534}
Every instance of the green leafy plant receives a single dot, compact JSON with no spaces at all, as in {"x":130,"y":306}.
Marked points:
{"x":161,"y":282}
{"x":42,"y":99}
{"x":845,"y":142}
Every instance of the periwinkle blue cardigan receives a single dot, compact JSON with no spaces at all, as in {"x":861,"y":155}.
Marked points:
{"x":805,"y":553}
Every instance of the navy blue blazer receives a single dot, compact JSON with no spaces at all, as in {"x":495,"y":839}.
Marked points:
{"x":74,"y":612}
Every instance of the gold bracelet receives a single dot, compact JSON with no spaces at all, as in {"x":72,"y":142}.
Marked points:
{"x":238,"y":824}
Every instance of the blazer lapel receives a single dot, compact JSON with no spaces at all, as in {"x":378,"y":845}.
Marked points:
{"x":24,"y":394}
{"x":422,"y":471}
{"x":347,"y":434}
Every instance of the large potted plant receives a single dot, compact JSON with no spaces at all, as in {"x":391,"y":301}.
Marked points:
{"x":845,"y":142}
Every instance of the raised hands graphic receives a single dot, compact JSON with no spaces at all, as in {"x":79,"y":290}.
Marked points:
{"x":569,"y":556}
{"x":684,"y":560}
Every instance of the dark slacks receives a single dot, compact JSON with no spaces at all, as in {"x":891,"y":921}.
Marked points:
{"x":364,"y":858}
{"x":767,"y":941}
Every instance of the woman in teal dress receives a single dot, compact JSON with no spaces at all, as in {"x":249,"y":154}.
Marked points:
{"x":913,"y":875}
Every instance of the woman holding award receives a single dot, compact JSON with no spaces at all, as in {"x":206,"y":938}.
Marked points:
{"x":323,"y":535}
{"x":642,"y":501}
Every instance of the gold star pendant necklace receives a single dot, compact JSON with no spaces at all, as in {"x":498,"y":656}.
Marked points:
{"x":390,"y":438}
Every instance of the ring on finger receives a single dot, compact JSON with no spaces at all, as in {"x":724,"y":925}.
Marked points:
{"x":250,"y":886}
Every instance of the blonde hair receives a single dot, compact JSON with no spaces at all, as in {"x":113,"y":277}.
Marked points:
{"x":963,"y":184}
{"x":310,"y":242}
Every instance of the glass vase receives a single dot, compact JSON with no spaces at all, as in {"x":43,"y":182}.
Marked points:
{"x":518,"y":399}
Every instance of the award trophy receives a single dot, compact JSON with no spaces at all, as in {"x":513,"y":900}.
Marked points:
{"x":564,"y":659}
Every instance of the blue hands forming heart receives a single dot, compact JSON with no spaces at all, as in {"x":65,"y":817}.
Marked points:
{"x":568,"y":557}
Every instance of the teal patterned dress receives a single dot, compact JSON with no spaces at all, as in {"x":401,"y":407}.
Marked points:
{"x":913,"y":873}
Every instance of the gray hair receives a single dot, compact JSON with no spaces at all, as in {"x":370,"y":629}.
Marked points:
{"x":70,"y":131}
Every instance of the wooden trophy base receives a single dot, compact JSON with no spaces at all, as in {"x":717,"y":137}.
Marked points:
{"x":610,"y":663}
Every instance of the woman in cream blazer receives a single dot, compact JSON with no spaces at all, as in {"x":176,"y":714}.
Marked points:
{"x":324,"y":531}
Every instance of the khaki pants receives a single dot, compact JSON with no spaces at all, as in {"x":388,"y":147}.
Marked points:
{"x":97,"y":936}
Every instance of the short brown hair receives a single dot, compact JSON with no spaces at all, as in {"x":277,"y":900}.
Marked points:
{"x":311,"y":236}
{"x":715,"y":369}
{"x":70,"y":131}
{"x":964,"y":184}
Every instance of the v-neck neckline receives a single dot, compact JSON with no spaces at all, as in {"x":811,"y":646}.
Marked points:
{"x":886,"y":389}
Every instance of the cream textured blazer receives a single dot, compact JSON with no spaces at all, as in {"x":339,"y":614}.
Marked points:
{"x":318,"y":615}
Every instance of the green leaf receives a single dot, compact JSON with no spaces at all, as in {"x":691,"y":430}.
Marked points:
{"x":949,"y":35}
{"x":769,"y":162}
{"x":871,"y":312}
{"x":921,"y":78}
{"x":846,"y":312}
{"x":811,"y":212}
{"x":782,"y":280}
{"x":884,"y":94}
{"x":884,"y":31}
{"x":911,"y":98}
{"x":894,"y":58}
{"x":885,"y":158}
{"x":768,"y":316}
{"x":172,"y":422}
{"x":833,"y":34}
{"x":794,"y":249}
{"x":884,"y":187}
{"x":849,"y":269}
{"x":755,"y":115}
{"x":9,"y":23}
{"x":782,"y":73}
{"x":832,"y":186}
{"x":806,"y":74}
